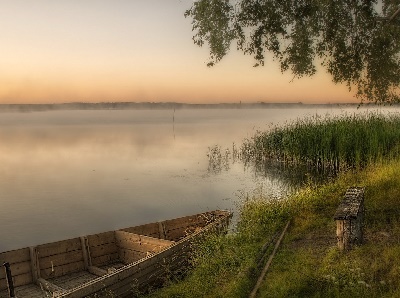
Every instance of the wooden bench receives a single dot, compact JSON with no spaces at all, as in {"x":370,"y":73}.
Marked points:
{"x":349,"y":218}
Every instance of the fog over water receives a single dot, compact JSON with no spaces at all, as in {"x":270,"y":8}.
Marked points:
{"x":65,"y":174}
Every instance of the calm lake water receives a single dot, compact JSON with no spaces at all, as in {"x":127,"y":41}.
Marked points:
{"x":65,"y":174}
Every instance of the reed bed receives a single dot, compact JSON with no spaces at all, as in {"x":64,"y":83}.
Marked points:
{"x":334,"y":143}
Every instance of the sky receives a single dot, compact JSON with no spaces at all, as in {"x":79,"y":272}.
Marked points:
{"x":132,"y":50}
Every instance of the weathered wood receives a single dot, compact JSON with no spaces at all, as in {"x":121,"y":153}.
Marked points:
{"x":151,"y":229}
{"x":34,"y":264}
{"x":97,"y":271}
{"x":58,"y":271}
{"x":61,"y":259}
{"x":22,"y":279}
{"x":17,"y":269}
{"x":104,"y":260}
{"x":3,"y":284}
{"x":101,"y":238}
{"x":349,"y":219}
{"x":49,"y":286}
{"x":161,"y":230}
{"x":15,"y":256}
{"x":101,"y":250}
{"x":129,"y":256}
{"x":149,"y":273}
{"x":31,"y":291}
{"x":60,"y":247}
{"x":351,"y":204}
{"x":73,"y":280}
{"x":85,"y":253}
{"x":123,"y":273}
{"x":140,"y":243}
{"x":149,"y":258}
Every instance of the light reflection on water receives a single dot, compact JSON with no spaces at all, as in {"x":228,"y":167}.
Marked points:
{"x":70,"y":173}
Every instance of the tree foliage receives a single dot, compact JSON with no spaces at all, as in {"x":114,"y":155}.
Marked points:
{"x":356,"y":41}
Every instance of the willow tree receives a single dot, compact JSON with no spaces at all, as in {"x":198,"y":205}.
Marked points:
{"x":356,"y":41}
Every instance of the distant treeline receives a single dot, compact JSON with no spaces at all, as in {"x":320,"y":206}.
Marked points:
{"x":158,"y":106}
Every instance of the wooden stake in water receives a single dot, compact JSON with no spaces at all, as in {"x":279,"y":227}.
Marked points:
{"x":173,"y":123}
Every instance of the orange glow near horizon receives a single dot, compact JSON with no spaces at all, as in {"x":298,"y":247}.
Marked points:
{"x":212,"y":88}
{"x":133,"y":52}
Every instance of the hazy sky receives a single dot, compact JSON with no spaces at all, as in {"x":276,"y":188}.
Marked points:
{"x":130,"y":50}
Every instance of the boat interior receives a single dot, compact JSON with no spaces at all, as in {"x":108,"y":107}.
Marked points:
{"x":44,"y":269}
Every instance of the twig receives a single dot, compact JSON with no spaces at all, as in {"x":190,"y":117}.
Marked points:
{"x":264,"y":271}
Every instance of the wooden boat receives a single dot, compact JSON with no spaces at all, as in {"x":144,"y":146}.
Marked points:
{"x":120,"y":263}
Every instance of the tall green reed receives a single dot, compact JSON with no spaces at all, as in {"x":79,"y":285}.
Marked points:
{"x":340,"y":142}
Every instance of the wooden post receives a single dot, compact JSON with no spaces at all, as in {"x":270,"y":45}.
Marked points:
{"x":86,"y":253}
{"x":34,"y":264}
{"x":10,"y":283}
{"x":161,"y":228}
{"x":349,"y":219}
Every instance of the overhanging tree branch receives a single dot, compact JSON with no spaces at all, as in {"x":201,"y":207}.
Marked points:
{"x":354,"y":48}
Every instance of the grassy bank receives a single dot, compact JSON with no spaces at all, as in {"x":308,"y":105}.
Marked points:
{"x":308,"y":264}
{"x":365,"y":151}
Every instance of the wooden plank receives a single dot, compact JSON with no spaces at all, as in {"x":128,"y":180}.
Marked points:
{"x":149,"y":276}
{"x":18,"y":280}
{"x":17,"y":269}
{"x":161,"y":230}
{"x":58,"y":271}
{"x":129,"y":256}
{"x":351,"y":204}
{"x":156,"y":241}
{"x":22,"y":279}
{"x":198,"y":219}
{"x":15,"y":256}
{"x":27,"y":291}
{"x":177,"y":234}
{"x":61,"y":259}
{"x":3,"y":284}
{"x":59,"y":247}
{"x":101,"y":250}
{"x":151,"y":229}
{"x":101,"y":238}
{"x":142,"y":247}
{"x":49,"y":286}
{"x":106,"y":259}
{"x":125,"y":239}
{"x":34,"y":264}
{"x":97,"y":271}
{"x":121,"y":236}
{"x":175,"y":253}
{"x":73,"y":280}
{"x":108,"y":280}
{"x":85,"y":252}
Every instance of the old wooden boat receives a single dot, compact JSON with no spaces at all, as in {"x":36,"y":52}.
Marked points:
{"x":120,"y":263}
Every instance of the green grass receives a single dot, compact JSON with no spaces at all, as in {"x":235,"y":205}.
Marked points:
{"x":349,"y":141}
{"x":308,"y":263}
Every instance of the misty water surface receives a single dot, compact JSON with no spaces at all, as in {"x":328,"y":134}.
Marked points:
{"x":65,"y":174}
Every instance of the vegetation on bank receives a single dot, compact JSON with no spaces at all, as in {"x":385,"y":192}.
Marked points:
{"x":308,"y":263}
{"x":335,"y":143}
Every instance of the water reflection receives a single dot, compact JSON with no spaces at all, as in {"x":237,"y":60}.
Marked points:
{"x":69,"y":173}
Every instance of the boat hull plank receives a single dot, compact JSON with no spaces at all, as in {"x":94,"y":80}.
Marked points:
{"x":123,"y":263}
{"x":101,"y":239}
{"x":104,"y":261}
{"x":31,"y":291}
{"x":152,"y":230}
{"x":73,"y":280}
{"x":60,"y":247}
